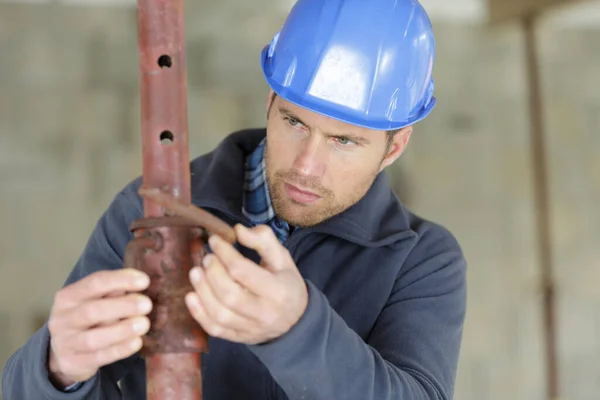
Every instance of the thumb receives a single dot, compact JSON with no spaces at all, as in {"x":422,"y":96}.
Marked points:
{"x":262,"y":239}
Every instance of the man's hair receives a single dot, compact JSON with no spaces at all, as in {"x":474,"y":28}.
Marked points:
{"x":390,"y":139}
{"x":390,"y":134}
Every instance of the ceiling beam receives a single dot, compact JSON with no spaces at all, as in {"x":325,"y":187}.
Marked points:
{"x":504,"y":10}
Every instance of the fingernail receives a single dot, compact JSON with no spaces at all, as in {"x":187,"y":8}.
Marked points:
{"x":192,"y":299}
{"x":141,"y":326}
{"x":196,"y":275}
{"x":207,"y":260}
{"x":213,"y":240}
{"x":140,"y":279}
{"x":144,"y":305}
{"x":136,"y":343}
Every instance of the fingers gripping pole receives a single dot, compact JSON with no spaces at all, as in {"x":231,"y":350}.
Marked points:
{"x":166,"y":248}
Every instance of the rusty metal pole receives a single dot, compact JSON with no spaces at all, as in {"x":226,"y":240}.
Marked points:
{"x":542,"y":207}
{"x":169,"y":240}
{"x":166,"y":246}
{"x":172,"y":346}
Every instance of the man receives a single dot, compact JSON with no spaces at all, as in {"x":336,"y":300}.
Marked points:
{"x":341,"y":292}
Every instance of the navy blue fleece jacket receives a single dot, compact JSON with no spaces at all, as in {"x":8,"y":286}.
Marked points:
{"x":387,"y":294}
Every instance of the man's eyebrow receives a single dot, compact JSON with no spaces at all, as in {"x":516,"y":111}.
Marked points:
{"x":290,"y":114}
{"x":351,"y":136}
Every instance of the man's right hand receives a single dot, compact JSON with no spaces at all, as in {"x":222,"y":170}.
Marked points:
{"x":95,"y":322}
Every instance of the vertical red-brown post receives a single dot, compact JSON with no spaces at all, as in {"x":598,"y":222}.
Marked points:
{"x":542,"y":206}
{"x":172,"y":347}
{"x":163,"y":89}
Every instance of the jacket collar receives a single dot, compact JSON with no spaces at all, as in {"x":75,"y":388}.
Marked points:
{"x":378,"y":219}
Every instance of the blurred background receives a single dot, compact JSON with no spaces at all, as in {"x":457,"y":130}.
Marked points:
{"x":69,"y":140}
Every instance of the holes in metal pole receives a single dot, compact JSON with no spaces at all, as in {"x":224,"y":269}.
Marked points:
{"x":166,"y":138}
{"x":165,"y":61}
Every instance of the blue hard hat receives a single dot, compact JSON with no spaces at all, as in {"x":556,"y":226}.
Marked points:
{"x":365,"y":62}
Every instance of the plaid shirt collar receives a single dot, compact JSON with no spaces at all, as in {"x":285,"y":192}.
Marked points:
{"x":257,"y":206}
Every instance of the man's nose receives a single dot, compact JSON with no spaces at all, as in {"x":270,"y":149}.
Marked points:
{"x":310,"y":159}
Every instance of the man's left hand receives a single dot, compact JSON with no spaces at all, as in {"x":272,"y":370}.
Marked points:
{"x":240,"y":301}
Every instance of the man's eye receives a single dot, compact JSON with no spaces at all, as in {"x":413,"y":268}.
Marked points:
{"x":293,"y":122}
{"x":344,"y":141}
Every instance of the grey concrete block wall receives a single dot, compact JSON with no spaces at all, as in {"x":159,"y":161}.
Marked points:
{"x":572,"y":80}
{"x":69,"y":140}
{"x":469,"y":167}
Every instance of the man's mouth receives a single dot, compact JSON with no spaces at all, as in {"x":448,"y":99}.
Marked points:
{"x":300,"y":195}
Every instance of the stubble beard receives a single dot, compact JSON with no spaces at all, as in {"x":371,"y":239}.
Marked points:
{"x":301,"y":215}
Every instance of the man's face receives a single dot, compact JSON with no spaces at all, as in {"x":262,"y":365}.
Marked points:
{"x":317,"y":166}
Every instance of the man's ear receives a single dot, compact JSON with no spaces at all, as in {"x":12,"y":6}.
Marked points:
{"x":399,"y":143}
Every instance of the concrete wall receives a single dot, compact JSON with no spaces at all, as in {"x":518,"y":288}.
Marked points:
{"x":69,"y":127}
{"x":474,"y":153}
